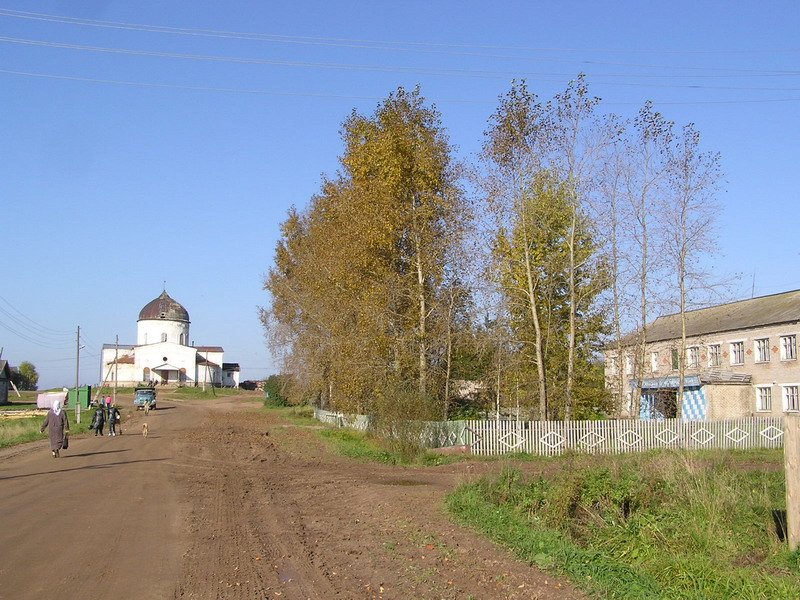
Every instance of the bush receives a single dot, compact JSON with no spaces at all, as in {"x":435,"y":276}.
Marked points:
{"x":400,"y":413}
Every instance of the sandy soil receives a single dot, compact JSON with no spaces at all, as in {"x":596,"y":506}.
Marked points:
{"x":222,"y":500}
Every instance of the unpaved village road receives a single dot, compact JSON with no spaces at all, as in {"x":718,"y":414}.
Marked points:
{"x":223,"y":500}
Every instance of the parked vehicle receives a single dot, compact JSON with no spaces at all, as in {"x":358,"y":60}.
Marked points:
{"x":141,"y":395}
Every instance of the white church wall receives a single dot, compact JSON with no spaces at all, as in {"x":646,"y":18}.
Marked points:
{"x":151,"y":352}
{"x":153,"y":355}
{"x":107,"y":371}
{"x":153,"y":332}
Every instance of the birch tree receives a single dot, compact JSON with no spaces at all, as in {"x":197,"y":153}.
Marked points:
{"x":688,"y":216}
{"x":647,"y":150}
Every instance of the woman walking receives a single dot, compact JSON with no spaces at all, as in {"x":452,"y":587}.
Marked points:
{"x":58,"y":423}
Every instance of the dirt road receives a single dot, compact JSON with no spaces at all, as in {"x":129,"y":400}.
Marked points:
{"x":225,"y":501}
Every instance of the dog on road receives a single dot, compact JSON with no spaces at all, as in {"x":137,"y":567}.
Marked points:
{"x":144,"y":429}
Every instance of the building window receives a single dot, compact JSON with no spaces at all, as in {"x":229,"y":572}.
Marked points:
{"x":737,"y":353}
{"x":762,"y":350}
{"x":628,"y":364}
{"x":788,"y":347}
{"x":675,"y":359}
{"x":791,"y":402}
{"x":714,"y":355}
{"x":693,"y":357}
{"x":163,"y":337}
{"x":764,"y":398}
{"x":654,"y":362}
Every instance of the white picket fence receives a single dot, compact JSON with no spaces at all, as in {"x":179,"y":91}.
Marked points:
{"x":493,"y":437}
{"x":489,"y":438}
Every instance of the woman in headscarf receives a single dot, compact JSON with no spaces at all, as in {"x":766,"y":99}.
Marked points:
{"x":58,"y":423}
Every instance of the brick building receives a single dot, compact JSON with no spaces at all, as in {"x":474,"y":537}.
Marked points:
{"x":741,"y":360}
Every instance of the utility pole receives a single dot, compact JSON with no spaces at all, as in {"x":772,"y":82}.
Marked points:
{"x":77,"y":375}
{"x":791,"y":461}
{"x":116,"y":366}
{"x":206,"y":375}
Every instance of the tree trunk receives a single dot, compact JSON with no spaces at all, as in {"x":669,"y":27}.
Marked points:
{"x":619,"y":381}
{"x":642,"y":342}
{"x":682,"y":287}
{"x":572,"y":317}
{"x":538,"y":334}
{"x":423,"y":310}
{"x":448,"y":362}
{"x":423,"y":315}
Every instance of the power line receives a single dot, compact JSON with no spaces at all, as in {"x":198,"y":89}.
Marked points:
{"x":48,"y":337}
{"x":378,"y":68}
{"x":32,"y":322}
{"x":28,"y":338}
{"x":199,"y":88}
{"x":371,"y":44}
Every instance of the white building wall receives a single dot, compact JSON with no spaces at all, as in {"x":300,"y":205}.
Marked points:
{"x":214,"y":373}
{"x":230,"y":378}
{"x":153,"y":355}
{"x":152,"y":332}
{"x":123,"y":372}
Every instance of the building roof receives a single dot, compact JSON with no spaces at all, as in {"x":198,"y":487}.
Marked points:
{"x":742,"y":314}
{"x":120,"y":346}
{"x":230,"y":366}
{"x":209,"y":348}
{"x":164,"y":308}
{"x":201,"y":360}
{"x":127,"y":359}
{"x":5,"y":371}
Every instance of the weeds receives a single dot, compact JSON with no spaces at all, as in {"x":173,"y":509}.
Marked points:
{"x":666,"y":525}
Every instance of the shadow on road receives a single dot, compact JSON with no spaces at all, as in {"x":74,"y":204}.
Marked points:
{"x":104,"y":466}
{"x":93,"y":453}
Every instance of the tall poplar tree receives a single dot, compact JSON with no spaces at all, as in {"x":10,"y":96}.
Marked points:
{"x":378,"y":238}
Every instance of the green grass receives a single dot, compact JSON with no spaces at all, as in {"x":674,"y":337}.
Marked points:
{"x":18,"y":431}
{"x":196,"y":393}
{"x":360,"y":446}
{"x":664,"y":525}
{"x":18,"y":406}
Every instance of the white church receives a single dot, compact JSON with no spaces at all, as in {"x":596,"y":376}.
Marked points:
{"x":162,"y":354}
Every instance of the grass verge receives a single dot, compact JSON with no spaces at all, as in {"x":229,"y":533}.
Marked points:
{"x":665,"y":525}
{"x":196,"y":393}
{"x":19,"y":431}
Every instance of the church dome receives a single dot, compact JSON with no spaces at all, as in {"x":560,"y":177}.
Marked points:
{"x":164,"y":308}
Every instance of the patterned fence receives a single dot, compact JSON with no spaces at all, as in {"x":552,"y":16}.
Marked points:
{"x":492,"y":437}
{"x":488,"y":438}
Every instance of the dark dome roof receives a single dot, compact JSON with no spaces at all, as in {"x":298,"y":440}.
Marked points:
{"x":164,"y":308}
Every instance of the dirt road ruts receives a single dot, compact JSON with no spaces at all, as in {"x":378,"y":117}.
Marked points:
{"x":223,"y":500}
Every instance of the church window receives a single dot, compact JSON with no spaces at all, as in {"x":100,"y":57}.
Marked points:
{"x":163,"y":337}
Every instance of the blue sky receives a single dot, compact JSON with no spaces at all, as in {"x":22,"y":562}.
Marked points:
{"x":182,"y":168}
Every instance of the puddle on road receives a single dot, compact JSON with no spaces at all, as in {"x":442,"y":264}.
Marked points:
{"x":286,"y":573}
